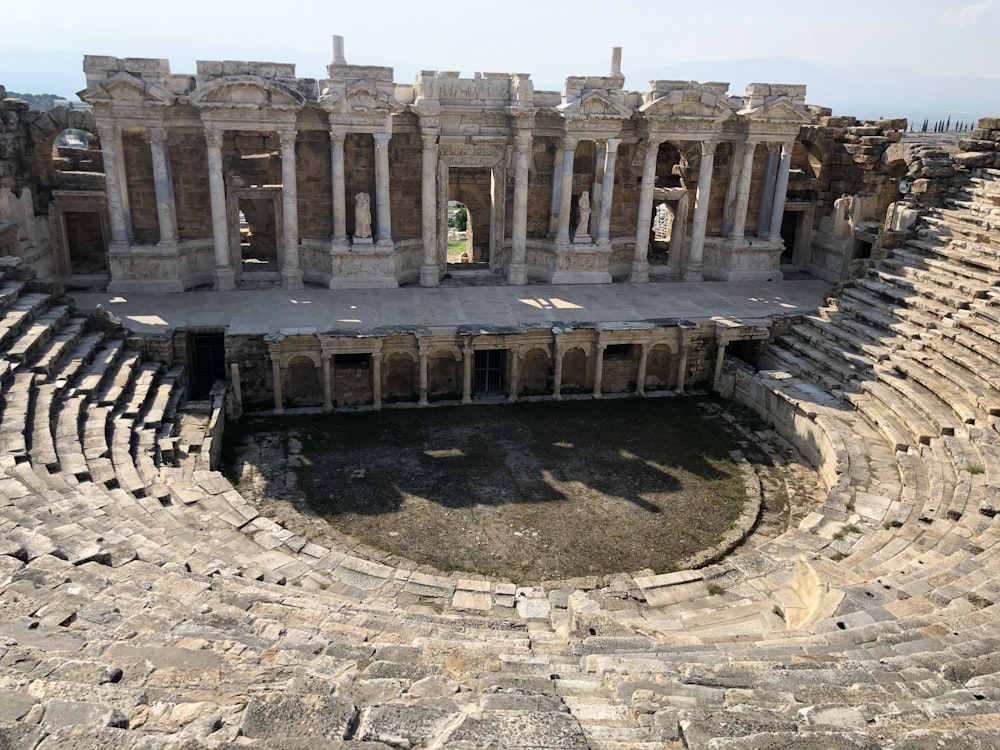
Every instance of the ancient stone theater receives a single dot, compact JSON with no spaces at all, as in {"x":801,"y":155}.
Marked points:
{"x":190,"y":247}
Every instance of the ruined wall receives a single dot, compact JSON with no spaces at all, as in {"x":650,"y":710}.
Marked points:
{"x":189,"y":169}
{"x":315,"y":184}
{"x":405,"y":172}
{"x":141,"y":191}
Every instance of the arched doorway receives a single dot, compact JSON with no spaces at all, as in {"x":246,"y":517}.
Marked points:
{"x":471,"y":190}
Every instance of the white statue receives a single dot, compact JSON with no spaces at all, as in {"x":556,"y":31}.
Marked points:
{"x":583,"y":209}
{"x":362,"y":216}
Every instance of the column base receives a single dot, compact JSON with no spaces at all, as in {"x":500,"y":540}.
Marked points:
{"x":640,"y":272}
{"x":225,"y":279}
{"x":517,"y":274}
{"x":694,"y":273}
{"x":291,"y":278}
{"x":430,"y":275}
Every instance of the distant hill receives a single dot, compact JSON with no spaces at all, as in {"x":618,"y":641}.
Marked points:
{"x":38,"y":101}
{"x":865,"y":91}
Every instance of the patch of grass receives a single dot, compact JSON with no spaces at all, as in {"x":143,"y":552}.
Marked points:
{"x":838,"y":536}
{"x":852,"y":529}
{"x":455,"y":250}
{"x":886,"y":525}
{"x":975,"y":469}
{"x":715,"y":589}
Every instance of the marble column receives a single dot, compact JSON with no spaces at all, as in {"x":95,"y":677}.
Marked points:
{"x":377,"y":380}
{"x":767,"y":193}
{"x":557,"y":167}
{"x":598,"y":368}
{"x":121,"y":170}
{"x":109,"y":134}
{"x":166,"y":209}
{"x":515,"y":358}
{"x":607,"y":191}
{"x":737,"y":152}
{"x":429,"y":272}
{"x":640,"y":376}
{"x":695,"y":261}
{"x":720,"y":359}
{"x":640,"y":264}
{"x":339,"y":182}
{"x":327,"y":381}
{"x":423,"y":376}
{"x":468,"y":354}
{"x":682,"y":365}
{"x":291,"y":274}
{"x":225,"y":277}
{"x":382,"y":188}
{"x":597,"y":186}
{"x":517,"y":272}
{"x":279,"y":404}
{"x":780,"y":191}
{"x":743,"y":191}
{"x":566,"y":191}
{"x":557,"y":374}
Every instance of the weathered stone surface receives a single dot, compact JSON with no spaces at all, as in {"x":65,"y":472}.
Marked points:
{"x":407,"y":726}
{"x":283,"y":716}
{"x":519,"y":731}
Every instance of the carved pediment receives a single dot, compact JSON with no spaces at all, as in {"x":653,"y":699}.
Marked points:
{"x":688,"y":104}
{"x":596,"y":106}
{"x":125,"y":88}
{"x":247,"y":92}
{"x":780,"y":109}
{"x":360,"y":98}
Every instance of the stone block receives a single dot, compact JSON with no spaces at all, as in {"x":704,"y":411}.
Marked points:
{"x":276,"y":716}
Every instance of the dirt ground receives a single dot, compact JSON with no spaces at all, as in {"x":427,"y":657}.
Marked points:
{"x":526,"y":491}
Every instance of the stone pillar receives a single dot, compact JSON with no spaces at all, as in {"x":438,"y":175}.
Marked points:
{"x":234,"y":378}
{"x":166,"y":210}
{"x":596,"y":187}
{"x":339,"y":182}
{"x":566,"y":191}
{"x":720,"y":359}
{"x":683,"y":363}
{"x":279,"y":404}
{"x":382,"y":188}
{"x":695,"y":261}
{"x":557,"y":374}
{"x":607,"y":191}
{"x":640,"y":376}
{"x":467,"y":359}
{"x":743,"y":191}
{"x":225,"y":278}
{"x":291,"y":274}
{"x":557,"y":167}
{"x":377,"y":380}
{"x":515,"y":357}
{"x":121,"y":169}
{"x":110,"y":134}
{"x":327,"y":380}
{"x":738,"y":150}
{"x":780,"y":191}
{"x":517,"y":272}
{"x":598,"y":368}
{"x":640,"y":264}
{"x":423,"y":375}
{"x":767,"y":194}
{"x":429,"y":272}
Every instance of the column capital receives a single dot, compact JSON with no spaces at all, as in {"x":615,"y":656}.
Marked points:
{"x":708,"y":147}
{"x":430,"y":141}
{"x":287,"y":138}
{"x":612,"y":144}
{"x":568,"y":144}
{"x":108,"y":132}
{"x":157,"y":135}
{"x":381,"y":139}
{"x":337,"y":138}
{"x":214,"y":136}
{"x":522,"y":141}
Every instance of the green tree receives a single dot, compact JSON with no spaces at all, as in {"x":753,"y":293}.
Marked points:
{"x":461,"y":219}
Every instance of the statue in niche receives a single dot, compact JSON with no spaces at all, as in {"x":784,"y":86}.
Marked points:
{"x":843,"y":215}
{"x":583,"y":210}
{"x":362,"y":216}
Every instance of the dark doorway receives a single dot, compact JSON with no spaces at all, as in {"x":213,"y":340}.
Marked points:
{"x":789,"y":230}
{"x":86,"y":243}
{"x":488,"y":371}
{"x":207,"y":362}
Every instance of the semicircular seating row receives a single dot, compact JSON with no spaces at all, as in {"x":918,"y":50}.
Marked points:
{"x":145,"y":603}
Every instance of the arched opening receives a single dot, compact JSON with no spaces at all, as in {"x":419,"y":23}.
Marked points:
{"x":444,"y":377}
{"x":668,"y":222}
{"x":658,"y":368}
{"x":400,"y":378}
{"x":302,"y":383}
{"x":470,"y":192}
{"x":574,"y":371}
{"x":535,"y":373}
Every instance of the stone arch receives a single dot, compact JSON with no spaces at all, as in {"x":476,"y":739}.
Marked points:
{"x":302,"y":386}
{"x":535,"y":373}
{"x":444,"y":375}
{"x":659,"y":368}
{"x":400,"y":377}
{"x":574,"y":370}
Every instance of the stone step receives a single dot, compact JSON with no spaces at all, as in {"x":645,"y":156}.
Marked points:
{"x":37,"y":333}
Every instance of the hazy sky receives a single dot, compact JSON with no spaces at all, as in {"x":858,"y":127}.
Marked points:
{"x":44,"y":43}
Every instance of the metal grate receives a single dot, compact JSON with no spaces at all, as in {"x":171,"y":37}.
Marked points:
{"x":487,"y":371}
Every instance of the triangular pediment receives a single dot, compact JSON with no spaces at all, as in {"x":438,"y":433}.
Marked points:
{"x":780,"y":109}
{"x":595,"y":105}
{"x":688,"y":104}
{"x":125,"y":88}
{"x":364,"y":96}
{"x":247,"y":91}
